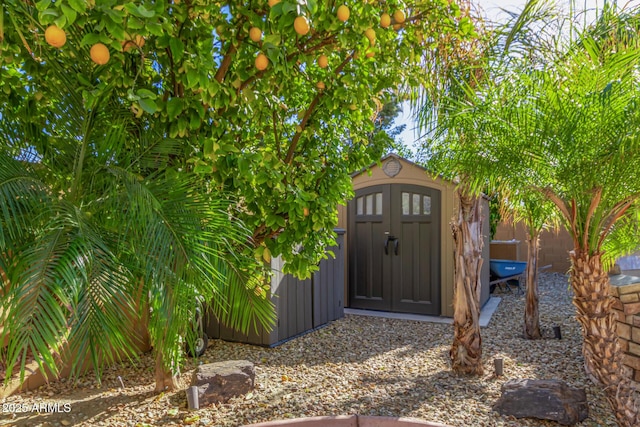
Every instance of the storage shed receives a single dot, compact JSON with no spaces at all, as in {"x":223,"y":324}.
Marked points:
{"x":301,"y":305}
{"x":396,"y":255}
{"x":399,"y":244}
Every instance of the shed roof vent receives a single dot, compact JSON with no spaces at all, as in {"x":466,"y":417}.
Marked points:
{"x":392,"y":167}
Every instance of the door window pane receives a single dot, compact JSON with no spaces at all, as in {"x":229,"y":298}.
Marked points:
{"x":369,"y":204}
{"x":405,"y":204}
{"x":416,"y":204}
{"x":426,"y":205}
{"x":378,"y":203}
{"x":360,"y":206}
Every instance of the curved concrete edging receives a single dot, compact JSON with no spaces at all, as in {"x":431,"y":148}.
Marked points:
{"x":349,"y":421}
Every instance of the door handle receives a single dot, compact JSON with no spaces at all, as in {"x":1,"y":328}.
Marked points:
{"x":386,"y":244}
{"x":395,"y":245}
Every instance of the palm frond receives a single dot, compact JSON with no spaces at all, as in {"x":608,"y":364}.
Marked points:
{"x":188,"y":248}
{"x":20,"y":191}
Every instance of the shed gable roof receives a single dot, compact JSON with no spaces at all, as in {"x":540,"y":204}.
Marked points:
{"x":402,"y":160}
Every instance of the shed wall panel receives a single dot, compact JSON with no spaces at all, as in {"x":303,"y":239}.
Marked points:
{"x":300,"y":305}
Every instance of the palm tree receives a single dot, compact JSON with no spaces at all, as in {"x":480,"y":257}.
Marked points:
{"x":466,"y":349}
{"x":537,"y":214}
{"x":102,"y":225}
{"x":454,"y":60}
{"x":570,"y":126}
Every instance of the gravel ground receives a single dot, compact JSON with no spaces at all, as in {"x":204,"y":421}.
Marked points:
{"x":356,"y":365}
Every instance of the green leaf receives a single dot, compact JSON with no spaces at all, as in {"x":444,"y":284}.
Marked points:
{"x":288,"y":7}
{"x":139,"y":11}
{"x":177,"y":49}
{"x":203,"y":169}
{"x":148,"y":105}
{"x":78,"y":5}
{"x":155,"y":28}
{"x":90,"y":39}
{"x":194,"y":122}
{"x":273,"y":39}
{"x":312,"y":6}
{"x":42,"y":5}
{"x":83,"y":80}
{"x":61,"y":21}
{"x":174,"y":107}
{"x":146,"y":93}
{"x":136,"y":24}
{"x":115,"y":31}
{"x":208,"y":149}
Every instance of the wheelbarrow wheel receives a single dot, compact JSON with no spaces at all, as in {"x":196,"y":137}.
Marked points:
{"x":199,"y":346}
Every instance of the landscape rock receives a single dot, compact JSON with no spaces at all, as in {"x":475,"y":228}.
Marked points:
{"x":543,"y":399}
{"x":220,"y":381}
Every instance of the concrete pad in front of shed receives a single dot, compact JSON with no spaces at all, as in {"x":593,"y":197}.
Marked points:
{"x":485,"y":314}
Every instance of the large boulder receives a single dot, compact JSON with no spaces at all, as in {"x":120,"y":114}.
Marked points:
{"x":220,"y":381}
{"x":543,"y":399}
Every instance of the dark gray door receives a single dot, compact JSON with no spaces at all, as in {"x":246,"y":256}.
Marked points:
{"x":394,"y":249}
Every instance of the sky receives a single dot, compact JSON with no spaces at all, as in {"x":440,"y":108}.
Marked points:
{"x":494,"y":13}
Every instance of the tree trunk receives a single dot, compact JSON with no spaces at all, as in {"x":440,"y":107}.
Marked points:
{"x":531,"y":313}
{"x":466,"y":351}
{"x":601,"y":350}
{"x":165,"y":379}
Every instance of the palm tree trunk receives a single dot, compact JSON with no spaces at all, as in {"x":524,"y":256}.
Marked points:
{"x":601,"y":349}
{"x":165,"y":378}
{"x":531,"y":312}
{"x":466,"y":350}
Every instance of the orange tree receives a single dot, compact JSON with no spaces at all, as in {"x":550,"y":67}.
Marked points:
{"x":271,"y":102}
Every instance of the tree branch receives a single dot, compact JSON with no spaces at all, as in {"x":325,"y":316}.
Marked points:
{"x":226,"y":63}
{"x":275,"y":132}
{"x":303,"y":124}
{"x":307,"y":114}
{"x":228,"y":57}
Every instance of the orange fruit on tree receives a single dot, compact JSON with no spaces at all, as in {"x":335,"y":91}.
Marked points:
{"x":262,"y":62}
{"x":301,"y":25}
{"x":320,"y":85}
{"x":99,"y":54}
{"x":398,"y":16}
{"x":273,"y":2}
{"x":343,"y":13}
{"x":255,"y":34}
{"x":55,"y":36}
{"x":305,"y":211}
{"x":370,"y":54}
{"x":385,"y":20}
{"x":323,"y":61}
{"x":371,"y":35}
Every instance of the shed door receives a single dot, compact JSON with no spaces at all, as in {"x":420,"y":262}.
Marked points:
{"x":394,"y":249}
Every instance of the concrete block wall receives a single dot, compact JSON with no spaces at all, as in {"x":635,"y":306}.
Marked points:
{"x":627,"y":309}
